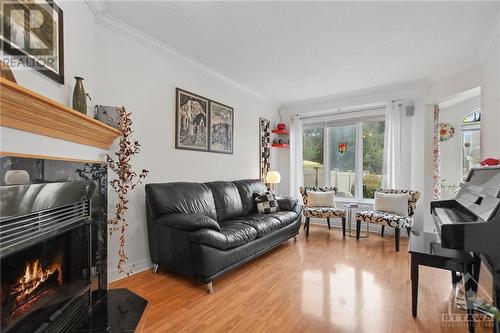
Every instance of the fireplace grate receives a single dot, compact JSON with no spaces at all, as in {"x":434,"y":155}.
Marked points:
{"x":22,"y":230}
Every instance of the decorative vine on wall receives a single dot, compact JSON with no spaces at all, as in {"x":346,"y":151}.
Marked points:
{"x":126,"y":180}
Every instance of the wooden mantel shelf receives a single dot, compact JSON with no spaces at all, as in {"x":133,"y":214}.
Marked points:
{"x":23,"y":109}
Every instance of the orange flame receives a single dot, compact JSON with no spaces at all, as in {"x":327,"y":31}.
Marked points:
{"x":35,"y":275}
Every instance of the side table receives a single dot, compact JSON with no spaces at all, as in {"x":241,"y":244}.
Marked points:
{"x":350,"y":211}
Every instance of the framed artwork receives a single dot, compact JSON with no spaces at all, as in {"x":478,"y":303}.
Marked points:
{"x":191,"y":121}
{"x":264,"y":147}
{"x":39,"y":46}
{"x":221,"y":128}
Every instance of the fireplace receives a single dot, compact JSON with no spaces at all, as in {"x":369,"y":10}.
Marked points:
{"x":52,"y":244}
{"x":53,"y":250}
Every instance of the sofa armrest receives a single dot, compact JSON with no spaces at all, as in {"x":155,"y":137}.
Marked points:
{"x":285,"y":202}
{"x":188,"y":222}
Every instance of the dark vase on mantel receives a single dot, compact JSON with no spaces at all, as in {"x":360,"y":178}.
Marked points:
{"x":79,"y":96}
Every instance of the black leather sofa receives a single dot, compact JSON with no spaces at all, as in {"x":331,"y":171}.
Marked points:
{"x":203,"y":230}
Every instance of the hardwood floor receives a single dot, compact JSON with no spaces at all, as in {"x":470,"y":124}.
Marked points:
{"x":320,"y":284}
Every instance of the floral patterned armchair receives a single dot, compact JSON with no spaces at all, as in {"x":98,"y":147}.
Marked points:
{"x":390,"y":219}
{"x":321,"y":212}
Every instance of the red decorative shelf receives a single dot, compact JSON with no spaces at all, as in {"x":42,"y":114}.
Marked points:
{"x":280,"y":145}
{"x":279,"y":131}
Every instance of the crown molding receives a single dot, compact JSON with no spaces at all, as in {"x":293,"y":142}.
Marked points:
{"x":96,"y":6}
{"x":454,"y":71}
{"x":129,"y":32}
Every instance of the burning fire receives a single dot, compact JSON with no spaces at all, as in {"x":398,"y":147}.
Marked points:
{"x":34,"y":276}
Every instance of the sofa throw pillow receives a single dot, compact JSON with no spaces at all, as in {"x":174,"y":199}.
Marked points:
{"x":321,"y":199}
{"x":266,"y":203}
{"x":392,"y":203}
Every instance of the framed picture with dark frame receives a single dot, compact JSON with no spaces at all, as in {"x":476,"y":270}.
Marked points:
{"x":39,"y":46}
{"x":221,"y":128}
{"x":191,"y":121}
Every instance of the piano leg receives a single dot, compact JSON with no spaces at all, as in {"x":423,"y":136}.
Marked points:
{"x":382,"y":231}
{"x":470,"y":285}
{"x":397,"y":233}
{"x":414,"y":285}
{"x":455,"y":279}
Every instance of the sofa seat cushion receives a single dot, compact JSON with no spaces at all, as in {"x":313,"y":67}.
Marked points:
{"x":285,"y":217}
{"x":262,"y":223}
{"x":232,"y":234}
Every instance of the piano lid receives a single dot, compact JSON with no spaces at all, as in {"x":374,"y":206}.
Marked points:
{"x":481,"y":192}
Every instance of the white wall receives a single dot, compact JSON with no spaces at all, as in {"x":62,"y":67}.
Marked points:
{"x":118,"y":71}
{"x":490,"y":99}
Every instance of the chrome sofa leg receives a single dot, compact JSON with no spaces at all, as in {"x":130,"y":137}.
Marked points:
{"x":210,"y":288}
{"x":155,"y":268}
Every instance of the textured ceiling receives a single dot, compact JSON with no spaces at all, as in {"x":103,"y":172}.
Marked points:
{"x":291,"y":51}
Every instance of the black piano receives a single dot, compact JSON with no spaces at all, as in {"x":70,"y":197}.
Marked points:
{"x":471,"y":222}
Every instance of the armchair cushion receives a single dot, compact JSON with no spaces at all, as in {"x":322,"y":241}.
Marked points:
{"x":324,"y":212}
{"x":188,"y":222}
{"x":384,"y":218}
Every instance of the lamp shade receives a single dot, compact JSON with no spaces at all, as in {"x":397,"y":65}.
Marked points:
{"x":273,"y":177}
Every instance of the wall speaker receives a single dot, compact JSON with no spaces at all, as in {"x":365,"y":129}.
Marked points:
{"x":410,"y":110}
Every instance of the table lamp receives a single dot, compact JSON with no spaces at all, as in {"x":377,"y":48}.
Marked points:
{"x":273,"y":177}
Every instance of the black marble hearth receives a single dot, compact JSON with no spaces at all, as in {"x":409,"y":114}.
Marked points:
{"x":120,"y":311}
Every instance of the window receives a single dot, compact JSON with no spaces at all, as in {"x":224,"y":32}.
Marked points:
{"x":312,"y":144}
{"x":347,"y":154}
{"x":471,"y":142}
{"x":342,"y":148}
{"x":373,"y":156}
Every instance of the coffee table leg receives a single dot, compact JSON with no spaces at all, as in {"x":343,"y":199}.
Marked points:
{"x":414,"y":285}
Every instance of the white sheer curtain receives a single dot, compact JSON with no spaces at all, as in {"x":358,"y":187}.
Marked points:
{"x":391,"y":171}
{"x":296,"y":157}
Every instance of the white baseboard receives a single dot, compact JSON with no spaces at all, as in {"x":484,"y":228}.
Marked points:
{"x":132,"y":268}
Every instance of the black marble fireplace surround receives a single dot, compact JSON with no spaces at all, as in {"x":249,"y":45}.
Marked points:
{"x":53,"y":251}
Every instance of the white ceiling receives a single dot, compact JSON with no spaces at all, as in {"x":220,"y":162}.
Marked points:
{"x":291,"y":51}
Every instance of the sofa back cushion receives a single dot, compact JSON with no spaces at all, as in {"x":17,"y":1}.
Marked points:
{"x":227,"y":200}
{"x":247,"y":188}
{"x":181,"y":197}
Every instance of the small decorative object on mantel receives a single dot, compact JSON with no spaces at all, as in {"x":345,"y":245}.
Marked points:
{"x":6,"y":72}
{"x":446,"y":132}
{"x":127,"y":179}
{"x":79,"y":96}
{"x":490,"y":162}
{"x":108,"y":115}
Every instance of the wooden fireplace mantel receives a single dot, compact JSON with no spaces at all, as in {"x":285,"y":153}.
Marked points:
{"x":23,"y":109}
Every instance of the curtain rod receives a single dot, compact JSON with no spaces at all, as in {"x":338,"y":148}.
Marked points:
{"x":336,"y":112}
